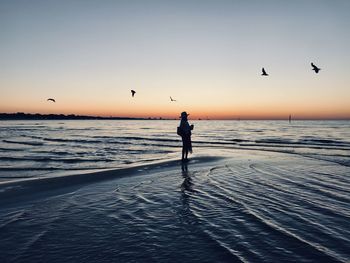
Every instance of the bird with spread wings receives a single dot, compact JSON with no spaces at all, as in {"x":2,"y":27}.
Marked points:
{"x":315,"y":68}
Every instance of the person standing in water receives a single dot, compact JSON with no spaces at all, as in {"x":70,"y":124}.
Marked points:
{"x":184,"y":130}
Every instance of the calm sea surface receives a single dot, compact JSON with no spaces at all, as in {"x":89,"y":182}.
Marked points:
{"x":283,"y":196}
{"x":48,"y":148}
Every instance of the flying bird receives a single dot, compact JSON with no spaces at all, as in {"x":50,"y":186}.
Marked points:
{"x":316,"y":69}
{"x":51,"y":100}
{"x":264,"y":72}
{"x":133,"y":93}
{"x":172,"y":99}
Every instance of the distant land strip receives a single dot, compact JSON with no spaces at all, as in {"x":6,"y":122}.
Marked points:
{"x":38,"y":116}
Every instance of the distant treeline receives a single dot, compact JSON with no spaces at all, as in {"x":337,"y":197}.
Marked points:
{"x":37,"y":116}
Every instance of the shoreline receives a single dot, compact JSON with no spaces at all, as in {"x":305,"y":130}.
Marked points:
{"x":18,"y":190}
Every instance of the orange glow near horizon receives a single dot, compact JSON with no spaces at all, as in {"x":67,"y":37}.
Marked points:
{"x":245,"y":97}
{"x":261,"y":112}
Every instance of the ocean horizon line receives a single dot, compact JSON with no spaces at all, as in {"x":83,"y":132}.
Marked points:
{"x":72,"y":116}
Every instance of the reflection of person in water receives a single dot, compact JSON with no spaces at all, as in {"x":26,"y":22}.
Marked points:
{"x":184,"y":131}
{"x":186,"y":216}
{"x":187,"y":183}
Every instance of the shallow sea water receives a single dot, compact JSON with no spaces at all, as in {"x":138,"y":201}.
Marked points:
{"x":48,"y":148}
{"x":278,"y":193}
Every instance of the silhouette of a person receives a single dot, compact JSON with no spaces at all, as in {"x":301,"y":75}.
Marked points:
{"x":185,"y":132}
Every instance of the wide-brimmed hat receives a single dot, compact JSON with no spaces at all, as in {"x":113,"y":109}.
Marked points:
{"x":184,"y":114}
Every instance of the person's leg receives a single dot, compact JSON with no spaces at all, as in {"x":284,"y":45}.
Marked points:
{"x":186,"y":146}
{"x":183,"y":147}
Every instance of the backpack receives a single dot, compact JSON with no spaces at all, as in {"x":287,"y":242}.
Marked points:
{"x":179,"y":131}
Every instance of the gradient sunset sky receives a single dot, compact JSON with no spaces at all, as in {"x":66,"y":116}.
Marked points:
{"x":207,"y":55}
